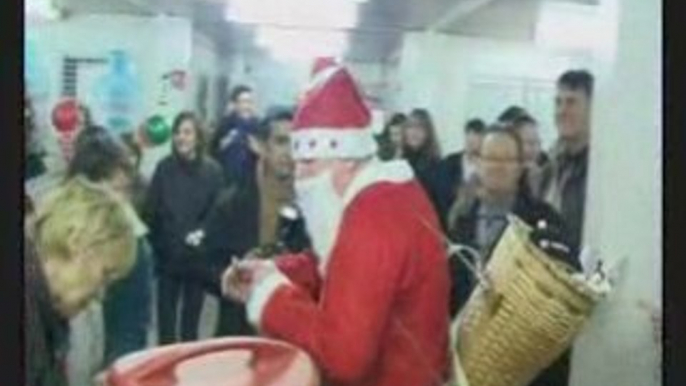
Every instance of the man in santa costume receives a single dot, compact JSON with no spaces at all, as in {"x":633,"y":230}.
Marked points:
{"x":370,"y":303}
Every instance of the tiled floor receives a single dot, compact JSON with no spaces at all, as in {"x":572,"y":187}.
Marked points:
{"x":208,"y":320}
{"x":87,"y":338}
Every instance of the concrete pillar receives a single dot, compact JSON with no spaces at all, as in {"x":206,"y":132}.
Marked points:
{"x":624,"y":213}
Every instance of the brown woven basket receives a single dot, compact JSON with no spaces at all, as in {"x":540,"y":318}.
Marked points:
{"x":529,"y":315}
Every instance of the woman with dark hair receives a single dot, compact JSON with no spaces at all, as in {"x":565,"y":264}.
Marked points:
{"x":391,"y":139}
{"x":422,"y":151}
{"x":182,"y":195}
{"x":421,"y":144}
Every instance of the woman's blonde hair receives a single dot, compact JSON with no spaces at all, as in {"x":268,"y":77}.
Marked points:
{"x":80,"y":216}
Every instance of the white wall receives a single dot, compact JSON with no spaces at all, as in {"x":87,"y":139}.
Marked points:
{"x":275,"y":82}
{"x":205,"y":62}
{"x":459,"y":78}
{"x":279,"y":83}
{"x":156,"y":46}
{"x":624,"y":216}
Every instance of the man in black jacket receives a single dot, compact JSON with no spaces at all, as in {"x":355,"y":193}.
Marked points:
{"x":460,"y":167}
{"x":479,"y":222}
{"x":250,"y":216}
{"x":563,"y":180}
{"x":229,"y":145}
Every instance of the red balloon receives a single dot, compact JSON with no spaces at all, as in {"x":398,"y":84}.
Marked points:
{"x":65,"y":116}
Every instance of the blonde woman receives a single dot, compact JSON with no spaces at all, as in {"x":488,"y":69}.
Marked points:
{"x":78,"y":243}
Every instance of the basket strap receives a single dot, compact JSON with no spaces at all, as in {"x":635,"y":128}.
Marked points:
{"x":459,"y":376}
{"x":459,"y":250}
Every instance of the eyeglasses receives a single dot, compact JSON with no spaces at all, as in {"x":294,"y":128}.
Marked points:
{"x":498,"y":160}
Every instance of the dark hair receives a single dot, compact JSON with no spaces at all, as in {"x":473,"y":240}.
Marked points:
{"x":577,"y":80}
{"x":238,"y":90}
{"x":98,"y":155}
{"x":397,"y":119}
{"x":431,"y":147}
{"x":512,"y":113}
{"x":386,"y":148}
{"x":508,"y":130}
{"x":129,"y":140}
{"x":476,"y":126}
{"x":197,"y":125}
{"x":29,"y":122}
{"x":521,"y":121}
{"x":264,"y":130}
{"x":87,"y":115}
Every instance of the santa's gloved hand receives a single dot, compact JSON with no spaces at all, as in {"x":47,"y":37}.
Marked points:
{"x":555,"y":242}
{"x":195,"y":238}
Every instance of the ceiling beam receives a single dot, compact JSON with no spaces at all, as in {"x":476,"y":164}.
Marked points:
{"x":462,"y":9}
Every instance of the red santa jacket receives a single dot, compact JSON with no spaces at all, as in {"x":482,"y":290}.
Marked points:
{"x":379,"y":313}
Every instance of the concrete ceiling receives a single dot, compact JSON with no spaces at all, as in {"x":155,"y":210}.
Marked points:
{"x":381,"y":22}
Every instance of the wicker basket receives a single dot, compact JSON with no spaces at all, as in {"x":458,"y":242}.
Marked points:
{"x":530,"y":313}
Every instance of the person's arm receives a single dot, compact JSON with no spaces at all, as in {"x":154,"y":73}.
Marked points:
{"x":341,"y":330}
{"x":221,"y":202}
{"x":150,"y":213}
{"x":217,"y":136}
{"x":301,"y":270}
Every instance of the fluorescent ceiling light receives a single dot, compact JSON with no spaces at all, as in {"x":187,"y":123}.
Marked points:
{"x":40,"y":10}
{"x":332,"y":14}
{"x":570,"y":26}
{"x":301,"y":45}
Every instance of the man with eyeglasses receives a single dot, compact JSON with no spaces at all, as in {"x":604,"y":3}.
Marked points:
{"x":478,"y":221}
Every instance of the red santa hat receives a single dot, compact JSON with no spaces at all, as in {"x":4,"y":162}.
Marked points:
{"x":332,"y":120}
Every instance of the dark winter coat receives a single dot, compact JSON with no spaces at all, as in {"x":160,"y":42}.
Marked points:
{"x":573,"y":192}
{"x":463,"y":230}
{"x":233,"y":229}
{"x":432,"y":175}
{"x":181,"y":197}
{"x":236,"y":158}
{"x":452,"y":164}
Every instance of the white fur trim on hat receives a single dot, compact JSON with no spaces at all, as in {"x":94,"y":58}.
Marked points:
{"x":332,"y":143}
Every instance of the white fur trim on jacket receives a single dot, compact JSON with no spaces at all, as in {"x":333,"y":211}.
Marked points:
{"x":261,"y":294}
{"x":376,"y":171}
{"x":332,"y":143}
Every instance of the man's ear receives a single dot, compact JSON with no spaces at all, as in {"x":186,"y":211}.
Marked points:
{"x":257,"y":146}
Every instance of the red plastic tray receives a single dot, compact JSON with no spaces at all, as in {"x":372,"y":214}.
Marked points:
{"x":217,"y":362}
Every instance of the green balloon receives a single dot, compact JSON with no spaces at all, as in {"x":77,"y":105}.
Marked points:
{"x":157,"y":131}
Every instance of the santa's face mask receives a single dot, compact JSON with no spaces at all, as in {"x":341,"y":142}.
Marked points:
{"x":322,"y":207}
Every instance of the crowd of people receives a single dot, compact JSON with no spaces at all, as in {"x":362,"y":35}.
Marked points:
{"x":257,"y":188}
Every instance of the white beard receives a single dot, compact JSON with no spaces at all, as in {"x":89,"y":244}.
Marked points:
{"x":322,"y":208}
